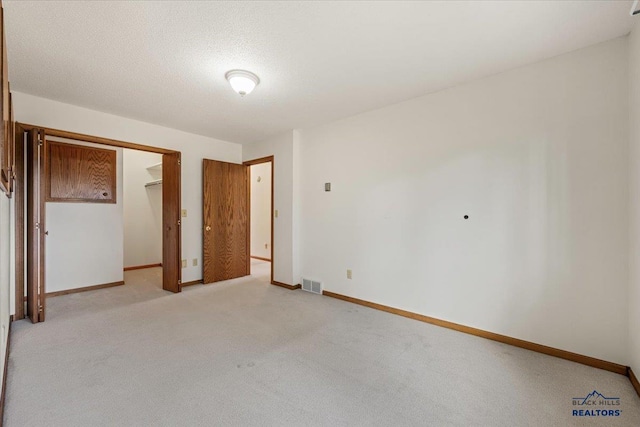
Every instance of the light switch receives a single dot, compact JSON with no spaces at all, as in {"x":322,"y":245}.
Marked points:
{"x":349,"y":275}
{"x":327,"y":186}
{"x":275,"y":213}
{"x":184,"y":263}
{"x":195,"y":262}
{"x":184,"y":212}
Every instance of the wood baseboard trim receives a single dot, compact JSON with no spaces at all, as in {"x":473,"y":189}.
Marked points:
{"x":4,"y":375}
{"x":140,"y":267}
{"x":634,"y":380}
{"x":563,"y":354}
{"x":261,"y":258}
{"x":193,"y":282}
{"x":85,"y":289}
{"x":284,"y":285}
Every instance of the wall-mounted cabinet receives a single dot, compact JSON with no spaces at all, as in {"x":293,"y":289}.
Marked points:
{"x":80,"y":174}
{"x":7,"y":142}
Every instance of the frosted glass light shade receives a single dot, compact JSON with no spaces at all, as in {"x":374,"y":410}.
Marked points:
{"x":243,"y":82}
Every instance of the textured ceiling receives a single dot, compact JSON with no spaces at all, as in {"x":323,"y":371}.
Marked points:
{"x":164,"y":62}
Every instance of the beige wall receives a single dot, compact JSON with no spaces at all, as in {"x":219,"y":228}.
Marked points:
{"x":536,"y":156}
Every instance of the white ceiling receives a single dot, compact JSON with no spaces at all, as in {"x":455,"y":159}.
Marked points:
{"x":164,"y":62}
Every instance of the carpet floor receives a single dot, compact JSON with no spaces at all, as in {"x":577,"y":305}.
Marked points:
{"x":247,"y":353}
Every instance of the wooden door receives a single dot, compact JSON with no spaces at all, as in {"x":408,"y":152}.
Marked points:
{"x":171,"y":236}
{"x":225,"y":221}
{"x":20,"y":243}
{"x":35,"y":225}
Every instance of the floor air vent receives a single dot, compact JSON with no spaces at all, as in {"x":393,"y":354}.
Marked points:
{"x":312,"y":286}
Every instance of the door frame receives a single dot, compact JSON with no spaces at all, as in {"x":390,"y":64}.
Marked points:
{"x":19,"y":203}
{"x":249,"y":163}
{"x":21,"y":193}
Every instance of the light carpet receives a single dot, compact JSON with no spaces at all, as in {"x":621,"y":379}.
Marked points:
{"x":247,"y":353}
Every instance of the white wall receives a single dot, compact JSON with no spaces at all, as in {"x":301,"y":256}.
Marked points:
{"x":281,"y":147}
{"x":142,"y":209}
{"x":537,"y":157}
{"x":44,"y":112}
{"x":84,"y":244}
{"x":261,"y":210}
{"x":634,"y":156}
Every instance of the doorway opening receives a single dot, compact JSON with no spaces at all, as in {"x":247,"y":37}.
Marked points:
{"x":260,"y":174}
{"x":260,"y":197}
{"x":142,"y":217}
{"x":84,"y":173}
{"x":142,"y":209}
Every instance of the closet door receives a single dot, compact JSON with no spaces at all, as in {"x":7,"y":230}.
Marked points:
{"x":171,"y":251}
{"x":36,"y":225}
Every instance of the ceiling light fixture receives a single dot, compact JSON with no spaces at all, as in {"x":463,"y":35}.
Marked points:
{"x":242,"y":81}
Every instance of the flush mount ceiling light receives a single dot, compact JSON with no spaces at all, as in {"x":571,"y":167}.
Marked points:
{"x":242,"y":81}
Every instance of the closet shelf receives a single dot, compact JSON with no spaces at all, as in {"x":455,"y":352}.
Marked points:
{"x":152,"y":183}
{"x":156,"y":167}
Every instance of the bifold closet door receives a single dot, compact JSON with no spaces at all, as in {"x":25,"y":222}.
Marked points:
{"x":171,"y":240}
{"x":36,"y":230}
{"x":225,"y":221}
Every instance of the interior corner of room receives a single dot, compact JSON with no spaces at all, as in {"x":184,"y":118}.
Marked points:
{"x":471,"y":218}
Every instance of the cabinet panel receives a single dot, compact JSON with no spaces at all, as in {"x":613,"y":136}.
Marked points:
{"x":80,"y":174}
{"x":5,"y":144}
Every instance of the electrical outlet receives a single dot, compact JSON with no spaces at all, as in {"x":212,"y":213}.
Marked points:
{"x":184,"y":263}
{"x":349,"y":275}
{"x":195,"y":262}
{"x":184,"y":213}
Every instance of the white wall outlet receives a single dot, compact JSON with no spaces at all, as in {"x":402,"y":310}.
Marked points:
{"x":184,"y":212}
{"x":184,"y":263}
{"x":195,"y":262}
{"x":349,"y":274}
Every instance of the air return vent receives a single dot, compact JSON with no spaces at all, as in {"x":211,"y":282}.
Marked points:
{"x":312,"y":286}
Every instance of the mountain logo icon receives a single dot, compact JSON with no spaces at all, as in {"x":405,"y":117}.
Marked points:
{"x":594,"y":397}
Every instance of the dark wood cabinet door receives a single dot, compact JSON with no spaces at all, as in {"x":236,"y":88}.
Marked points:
{"x":79,"y":173}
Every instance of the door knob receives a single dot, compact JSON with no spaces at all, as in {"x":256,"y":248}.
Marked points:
{"x":208,"y":228}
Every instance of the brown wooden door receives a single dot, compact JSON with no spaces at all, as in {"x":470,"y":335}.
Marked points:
{"x":225,"y":221}
{"x":171,"y":240}
{"x":20,"y":242}
{"x":35,"y":225}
